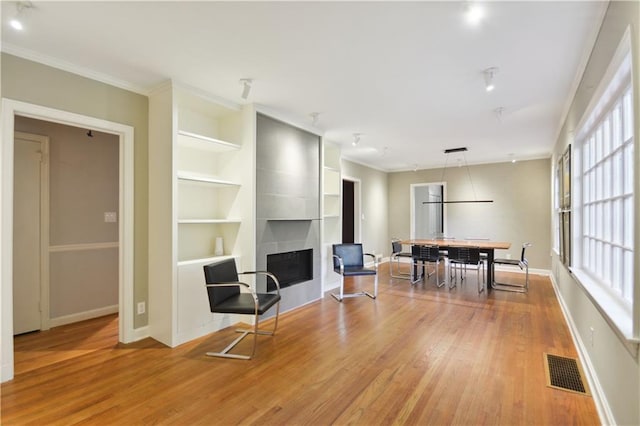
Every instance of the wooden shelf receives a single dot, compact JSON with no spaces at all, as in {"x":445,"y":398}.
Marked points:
{"x":197,"y":141}
{"x":204,"y":260}
{"x":199,"y":178}
{"x":207,"y":221}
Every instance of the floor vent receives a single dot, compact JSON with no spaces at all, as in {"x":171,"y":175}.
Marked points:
{"x":565,"y":374}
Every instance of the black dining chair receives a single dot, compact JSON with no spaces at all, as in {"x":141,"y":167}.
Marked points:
{"x":424,"y":255}
{"x":396,"y":255}
{"x":348,"y":261}
{"x":522,"y":263}
{"x":226,"y":297}
{"x":460,"y":258}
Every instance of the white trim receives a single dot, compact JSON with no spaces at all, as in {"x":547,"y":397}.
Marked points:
{"x":11,"y":108}
{"x":287,"y":119}
{"x":140,"y":333}
{"x":623,"y":49}
{"x":83,"y":316}
{"x":582,"y":66}
{"x":599,"y":397}
{"x":412,"y":206}
{"x":82,"y":247}
{"x":30,"y":55}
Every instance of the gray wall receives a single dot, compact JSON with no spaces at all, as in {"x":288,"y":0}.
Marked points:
{"x":521,"y":197}
{"x":39,"y":84}
{"x":83,"y":182}
{"x":374,"y":199}
{"x":288,"y":201}
{"x":614,"y":361}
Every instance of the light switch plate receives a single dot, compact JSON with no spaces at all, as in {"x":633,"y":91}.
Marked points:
{"x":110,"y":217}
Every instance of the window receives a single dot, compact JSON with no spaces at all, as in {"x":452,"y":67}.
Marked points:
{"x":603,"y":257}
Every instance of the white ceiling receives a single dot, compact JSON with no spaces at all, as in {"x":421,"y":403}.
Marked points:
{"x":408,"y":76}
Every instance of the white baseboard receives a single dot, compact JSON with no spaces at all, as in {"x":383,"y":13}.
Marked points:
{"x":81,"y":316}
{"x":140,"y":333}
{"x":599,"y":398}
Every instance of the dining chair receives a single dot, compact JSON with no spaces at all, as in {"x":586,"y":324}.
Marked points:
{"x":348,"y":261}
{"x":225,"y":296}
{"x":522,"y":263}
{"x":460,"y":258}
{"x":426,"y":254}
{"x":396,"y":255}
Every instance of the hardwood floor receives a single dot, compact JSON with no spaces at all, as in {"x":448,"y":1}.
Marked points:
{"x":417,"y":355}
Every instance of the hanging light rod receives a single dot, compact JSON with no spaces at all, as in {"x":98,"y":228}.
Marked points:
{"x":450,"y":151}
{"x":457,"y":202}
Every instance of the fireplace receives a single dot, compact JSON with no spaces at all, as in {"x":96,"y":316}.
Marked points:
{"x":290,"y":268}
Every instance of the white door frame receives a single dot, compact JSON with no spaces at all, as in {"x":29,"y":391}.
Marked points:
{"x":44,"y":224}
{"x":357,"y":207}
{"x":412,"y":206}
{"x":11,"y":108}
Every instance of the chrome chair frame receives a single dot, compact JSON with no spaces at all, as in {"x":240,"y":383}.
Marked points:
{"x":425,"y":254}
{"x":256,"y":313}
{"x":339,"y":267}
{"x":396,"y":255}
{"x":522,"y":263}
{"x":463,"y":257}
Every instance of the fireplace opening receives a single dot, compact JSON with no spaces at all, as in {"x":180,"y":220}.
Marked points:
{"x":290,"y":268}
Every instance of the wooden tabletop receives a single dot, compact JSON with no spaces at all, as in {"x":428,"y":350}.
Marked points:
{"x":485,"y":244}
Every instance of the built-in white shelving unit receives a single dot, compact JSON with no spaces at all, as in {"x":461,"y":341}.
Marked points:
{"x":331,"y":211}
{"x":201,"y":189}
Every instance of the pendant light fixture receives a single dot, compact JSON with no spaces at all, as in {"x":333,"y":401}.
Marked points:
{"x":475,"y":200}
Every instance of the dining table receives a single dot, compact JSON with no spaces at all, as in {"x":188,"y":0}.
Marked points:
{"x":487,"y":247}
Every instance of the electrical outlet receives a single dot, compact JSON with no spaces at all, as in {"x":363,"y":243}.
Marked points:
{"x":141,"y":308}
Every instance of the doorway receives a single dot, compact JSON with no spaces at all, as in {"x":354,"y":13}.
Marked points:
{"x":428,"y":212}
{"x":351,"y":210}
{"x":11,"y":109}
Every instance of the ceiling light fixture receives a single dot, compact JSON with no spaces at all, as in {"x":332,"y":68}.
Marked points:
{"x":21,"y":8}
{"x":474,"y":13}
{"x":489,"y":74}
{"x":475,"y":200}
{"x":356,"y":139}
{"x":498,"y":112}
{"x":246,"y":87}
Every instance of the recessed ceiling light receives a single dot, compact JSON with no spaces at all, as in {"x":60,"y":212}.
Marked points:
{"x":16,"y":25}
{"x":474,"y":13}
{"x":22,"y":7}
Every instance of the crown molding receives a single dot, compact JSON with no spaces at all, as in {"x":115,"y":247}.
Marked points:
{"x":72,"y":68}
{"x":582,"y":66}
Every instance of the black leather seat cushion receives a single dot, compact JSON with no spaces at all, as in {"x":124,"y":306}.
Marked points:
{"x":350,"y":271}
{"x":243,"y":303}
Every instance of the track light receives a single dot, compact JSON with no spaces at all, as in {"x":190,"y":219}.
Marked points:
{"x":356,"y":139}
{"x":489,"y":73}
{"x":21,"y":8}
{"x":246,"y":87}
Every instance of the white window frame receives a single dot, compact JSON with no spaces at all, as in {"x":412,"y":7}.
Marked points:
{"x":604,"y":225}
